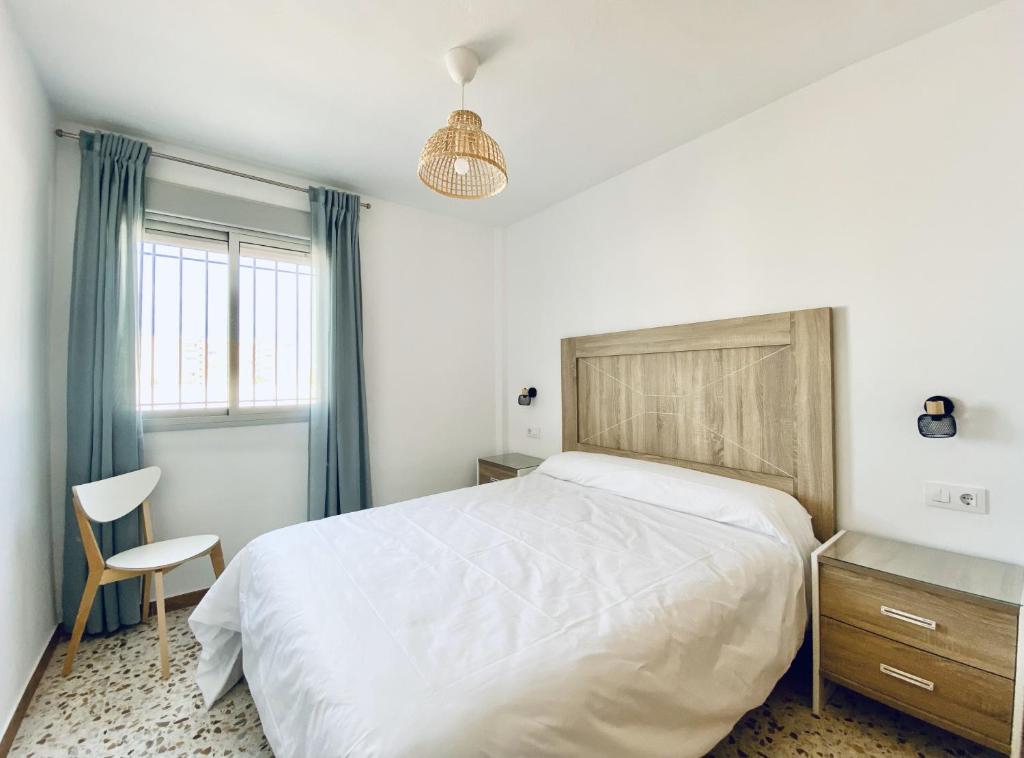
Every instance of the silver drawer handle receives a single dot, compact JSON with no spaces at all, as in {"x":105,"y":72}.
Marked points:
{"x":910,"y":618}
{"x":905,"y":677}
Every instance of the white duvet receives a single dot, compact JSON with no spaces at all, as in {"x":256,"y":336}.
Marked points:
{"x":598,"y":607}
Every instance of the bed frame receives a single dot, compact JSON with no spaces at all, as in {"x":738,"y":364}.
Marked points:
{"x":748,"y":398}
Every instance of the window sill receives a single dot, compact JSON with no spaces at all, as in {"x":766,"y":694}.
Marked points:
{"x":173,"y":422}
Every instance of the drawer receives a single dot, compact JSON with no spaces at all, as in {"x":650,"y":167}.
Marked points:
{"x":488,"y":472}
{"x":960,"y":698}
{"x":981,"y":634}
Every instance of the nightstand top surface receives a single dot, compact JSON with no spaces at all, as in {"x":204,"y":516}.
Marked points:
{"x":513,"y":460}
{"x":962,"y":573}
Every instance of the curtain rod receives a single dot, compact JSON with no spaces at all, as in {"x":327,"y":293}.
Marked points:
{"x":221,"y":169}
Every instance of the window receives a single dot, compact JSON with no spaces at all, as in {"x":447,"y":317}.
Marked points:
{"x":225,"y":326}
{"x":183,"y":323}
{"x":275,"y":291}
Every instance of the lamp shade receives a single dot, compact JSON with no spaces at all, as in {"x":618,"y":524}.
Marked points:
{"x":462,"y":160}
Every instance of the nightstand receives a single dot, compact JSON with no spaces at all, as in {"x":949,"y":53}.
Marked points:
{"x":932,"y":633}
{"x":494,"y":468}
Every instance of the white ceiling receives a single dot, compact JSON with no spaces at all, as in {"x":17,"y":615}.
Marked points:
{"x":346,"y":91}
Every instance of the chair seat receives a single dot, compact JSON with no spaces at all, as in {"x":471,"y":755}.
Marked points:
{"x":163,"y":554}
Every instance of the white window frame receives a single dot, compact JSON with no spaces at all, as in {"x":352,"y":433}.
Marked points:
{"x":285,"y":247}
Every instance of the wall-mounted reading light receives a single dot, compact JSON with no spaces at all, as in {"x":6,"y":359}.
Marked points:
{"x":527,"y":395}
{"x":937,"y":419}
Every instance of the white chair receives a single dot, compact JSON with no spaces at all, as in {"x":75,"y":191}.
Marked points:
{"x":110,"y":499}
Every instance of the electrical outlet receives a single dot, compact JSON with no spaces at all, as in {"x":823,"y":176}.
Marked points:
{"x":956,"y":497}
{"x":533,"y":432}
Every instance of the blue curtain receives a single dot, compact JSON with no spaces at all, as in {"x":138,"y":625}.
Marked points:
{"x":339,"y":461}
{"x":104,"y":427}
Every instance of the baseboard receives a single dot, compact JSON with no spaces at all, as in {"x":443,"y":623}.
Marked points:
{"x":177,"y":602}
{"x":30,"y":690}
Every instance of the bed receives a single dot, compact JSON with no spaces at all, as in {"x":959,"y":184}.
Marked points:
{"x":636,"y":595}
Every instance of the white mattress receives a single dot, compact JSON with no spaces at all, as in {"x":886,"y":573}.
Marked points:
{"x":593,"y":608}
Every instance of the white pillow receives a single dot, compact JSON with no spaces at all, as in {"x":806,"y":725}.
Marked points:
{"x":729,"y":501}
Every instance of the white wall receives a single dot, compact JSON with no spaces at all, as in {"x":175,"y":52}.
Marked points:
{"x":26,"y":182}
{"x":892,"y":191}
{"x":430,"y":366}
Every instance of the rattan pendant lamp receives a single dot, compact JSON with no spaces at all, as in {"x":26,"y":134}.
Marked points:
{"x":461,"y":160}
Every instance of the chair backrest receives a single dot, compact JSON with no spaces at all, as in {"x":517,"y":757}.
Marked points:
{"x":110,"y":499}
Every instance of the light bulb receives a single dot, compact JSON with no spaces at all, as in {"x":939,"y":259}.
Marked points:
{"x":461,"y":166}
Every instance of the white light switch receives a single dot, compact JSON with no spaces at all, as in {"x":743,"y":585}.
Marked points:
{"x":533,"y":432}
{"x":956,"y":497}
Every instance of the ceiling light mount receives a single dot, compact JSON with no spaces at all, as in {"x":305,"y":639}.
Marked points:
{"x":461,"y":160}
{"x":462,"y":64}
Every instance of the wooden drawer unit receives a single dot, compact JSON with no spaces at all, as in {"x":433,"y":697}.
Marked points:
{"x":933,"y":633}
{"x":959,"y":697}
{"x":965,"y":629}
{"x":488,"y":472}
{"x":506,"y":466}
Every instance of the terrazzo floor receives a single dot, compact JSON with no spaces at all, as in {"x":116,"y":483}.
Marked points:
{"x":115,"y":704}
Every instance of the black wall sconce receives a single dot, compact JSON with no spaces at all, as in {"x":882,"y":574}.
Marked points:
{"x":937,"y":419}
{"x":527,"y":395}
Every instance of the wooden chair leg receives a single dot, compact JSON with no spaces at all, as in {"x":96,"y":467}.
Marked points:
{"x":147,"y":582}
{"x":161,"y":624}
{"x":217,"y":559}
{"x":92,"y":583}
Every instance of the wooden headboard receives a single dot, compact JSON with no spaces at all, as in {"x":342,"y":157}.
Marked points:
{"x":748,"y":398}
